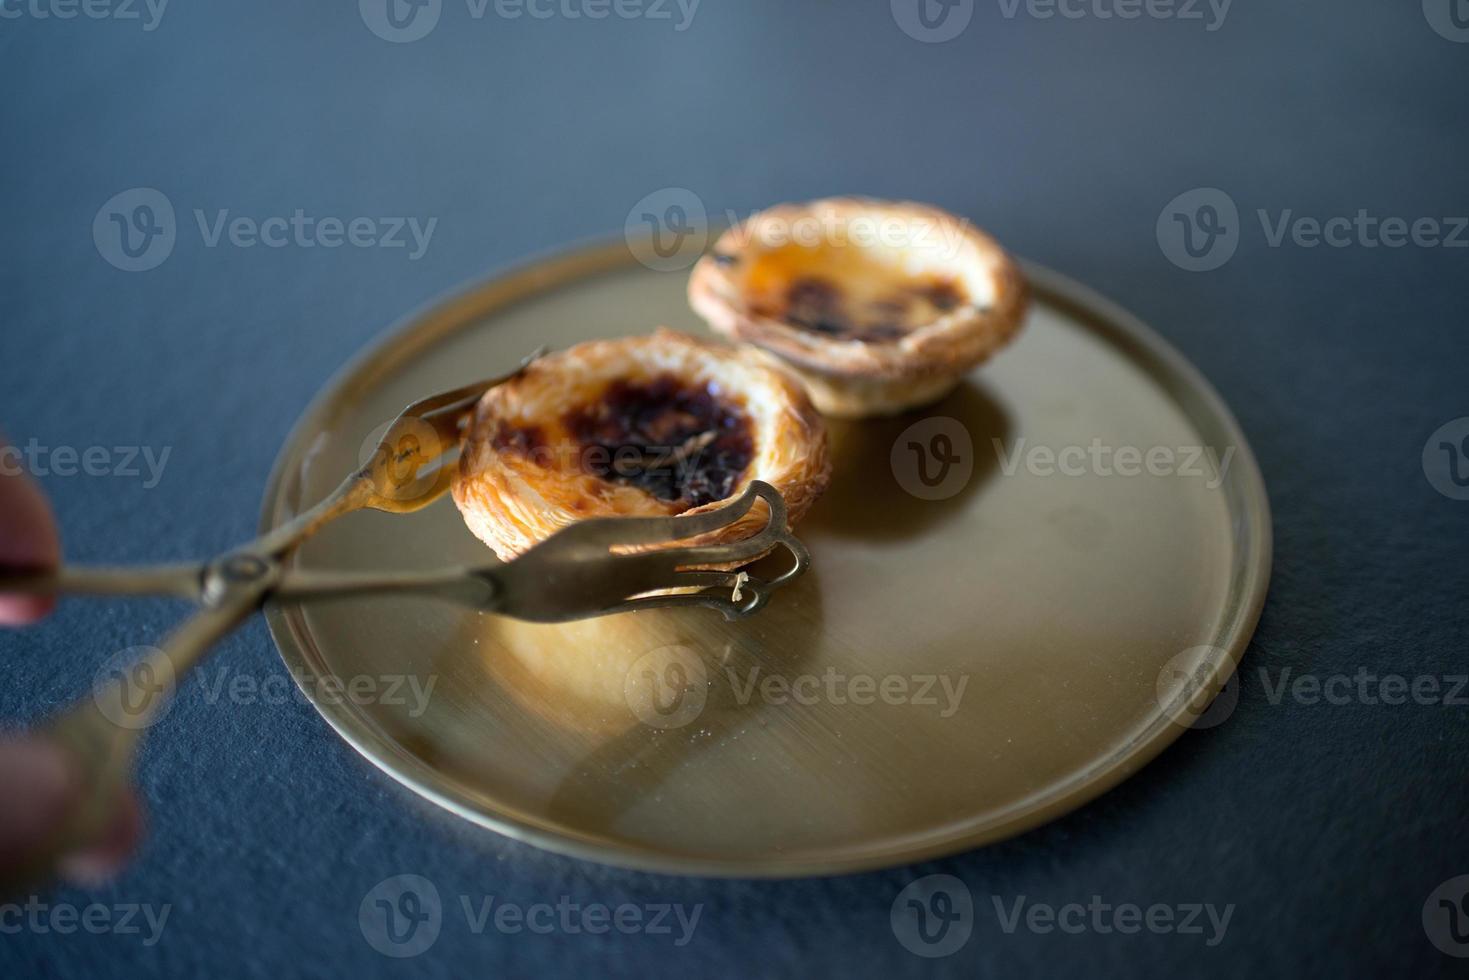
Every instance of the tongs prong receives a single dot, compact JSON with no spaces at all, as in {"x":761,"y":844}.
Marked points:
{"x":593,"y":571}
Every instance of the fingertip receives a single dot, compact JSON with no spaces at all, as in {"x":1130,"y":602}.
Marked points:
{"x":99,"y":863}
{"x":25,"y":609}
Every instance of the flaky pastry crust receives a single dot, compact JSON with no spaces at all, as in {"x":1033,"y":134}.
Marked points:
{"x":523,"y":473}
{"x":933,"y":297}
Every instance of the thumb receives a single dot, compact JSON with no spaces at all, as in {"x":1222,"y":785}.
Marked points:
{"x":36,"y":789}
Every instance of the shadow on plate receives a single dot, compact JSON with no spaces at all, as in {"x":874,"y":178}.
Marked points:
{"x":623,"y":702}
{"x":867,"y":500}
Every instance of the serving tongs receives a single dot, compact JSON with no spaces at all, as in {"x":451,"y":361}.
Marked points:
{"x":590,"y":568}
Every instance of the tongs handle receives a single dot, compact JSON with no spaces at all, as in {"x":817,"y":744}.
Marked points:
{"x":184,"y":580}
{"x":101,"y":733}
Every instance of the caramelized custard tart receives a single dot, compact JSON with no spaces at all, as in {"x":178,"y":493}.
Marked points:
{"x":656,"y":425}
{"x":879,"y":306}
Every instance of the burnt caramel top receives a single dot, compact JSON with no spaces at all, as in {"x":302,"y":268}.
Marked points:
{"x":676,"y":440}
{"x":841,"y":293}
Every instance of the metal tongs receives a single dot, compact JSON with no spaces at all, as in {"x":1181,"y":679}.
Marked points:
{"x":590,"y":568}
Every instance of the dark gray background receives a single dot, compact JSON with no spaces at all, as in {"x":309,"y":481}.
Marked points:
{"x":1326,"y":826}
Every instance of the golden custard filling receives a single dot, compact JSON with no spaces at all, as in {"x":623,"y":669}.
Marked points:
{"x":679,"y":442}
{"x":844,"y":292}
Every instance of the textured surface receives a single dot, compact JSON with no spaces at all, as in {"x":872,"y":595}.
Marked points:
{"x":1326,"y":826}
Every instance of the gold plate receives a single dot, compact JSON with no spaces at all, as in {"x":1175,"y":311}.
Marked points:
{"x":977,"y":649}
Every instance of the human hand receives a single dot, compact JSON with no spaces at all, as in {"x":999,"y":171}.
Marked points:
{"x":38,"y":784}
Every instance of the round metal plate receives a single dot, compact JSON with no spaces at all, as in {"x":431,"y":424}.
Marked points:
{"x":1018,"y":597}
